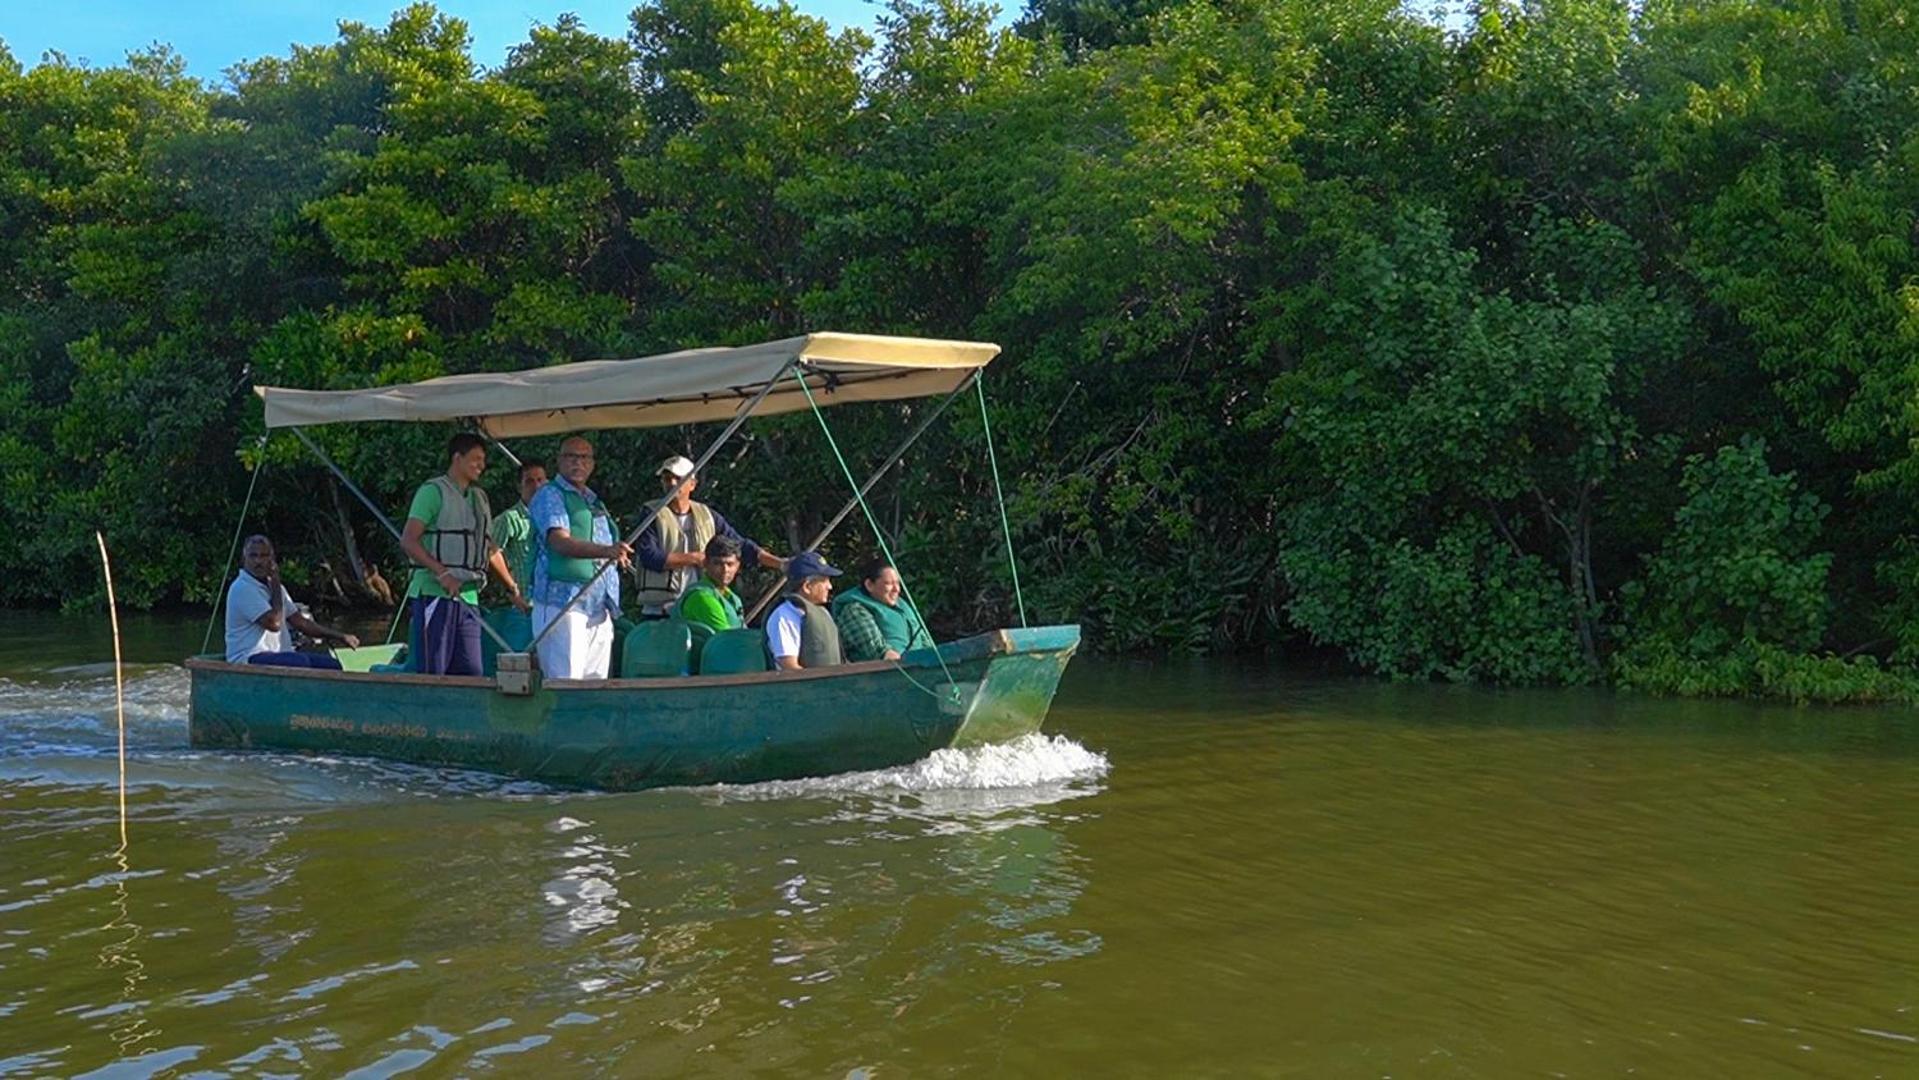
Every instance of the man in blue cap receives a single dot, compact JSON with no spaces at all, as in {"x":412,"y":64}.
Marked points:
{"x":801,"y":633}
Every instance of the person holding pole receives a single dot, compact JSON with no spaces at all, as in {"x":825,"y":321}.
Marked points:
{"x":673,"y":551}
{"x":572,"y":535}
{"x":446,"y":537}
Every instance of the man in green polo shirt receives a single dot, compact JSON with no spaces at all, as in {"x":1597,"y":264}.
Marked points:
{"x":711,"y":601}
{"x":512,"y":529}
{"x":446,"y":537}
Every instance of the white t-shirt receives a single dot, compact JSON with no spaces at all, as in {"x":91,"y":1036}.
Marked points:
{"x":246,"y":602}
{"x":783,"y":630}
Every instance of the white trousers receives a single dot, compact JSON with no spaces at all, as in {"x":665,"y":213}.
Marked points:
{"x":577,"y":648}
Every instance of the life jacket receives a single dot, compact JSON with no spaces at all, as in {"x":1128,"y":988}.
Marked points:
{"x":729,"y":601}
{"x":660,"y":589}
{"x":900,"y":626}
{"x":582,"y":517}
{"x":819,"y":634}
{"x":457,"y":537}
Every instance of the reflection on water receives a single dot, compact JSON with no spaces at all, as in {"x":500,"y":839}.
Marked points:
{"x":1209,"y":869}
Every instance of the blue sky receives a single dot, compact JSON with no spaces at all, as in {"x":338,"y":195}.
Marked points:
{"x":214,"y":34}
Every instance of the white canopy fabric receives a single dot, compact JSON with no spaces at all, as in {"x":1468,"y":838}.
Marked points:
{"x":689,"y":387}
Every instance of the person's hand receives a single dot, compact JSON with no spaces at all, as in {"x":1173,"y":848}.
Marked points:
{"x":620,"y":552}
{"x":891,"y":654}
{"x":352,"y":640}
{"x":448,"y":582}
{"x":525,"y":606}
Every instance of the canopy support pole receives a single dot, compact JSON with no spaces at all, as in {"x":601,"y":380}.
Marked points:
{"x":860,"y":493}
{"x":384,"y":520}
{"x":653,"y":508}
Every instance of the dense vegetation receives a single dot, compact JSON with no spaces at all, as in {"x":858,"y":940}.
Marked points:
{"x":1575,"y":340}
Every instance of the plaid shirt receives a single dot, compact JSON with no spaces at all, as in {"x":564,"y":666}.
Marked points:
{"x":860,"y":637}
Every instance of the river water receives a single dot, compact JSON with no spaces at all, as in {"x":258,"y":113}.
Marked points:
{"x":1204,"y":869}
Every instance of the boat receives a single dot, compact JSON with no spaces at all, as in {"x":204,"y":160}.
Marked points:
{"x":668,"y":728}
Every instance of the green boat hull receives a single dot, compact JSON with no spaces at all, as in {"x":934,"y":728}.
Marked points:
{"x":624,"y":734}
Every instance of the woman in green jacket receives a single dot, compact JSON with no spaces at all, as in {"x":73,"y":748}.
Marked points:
{"x":876,"y":622}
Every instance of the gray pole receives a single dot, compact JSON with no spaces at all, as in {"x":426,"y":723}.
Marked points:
{"x":885,"y":467}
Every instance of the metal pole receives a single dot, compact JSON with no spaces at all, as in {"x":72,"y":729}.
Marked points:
{"x":646,"y":517}
{"x":854,"y":502}
{"x":384,"y":520}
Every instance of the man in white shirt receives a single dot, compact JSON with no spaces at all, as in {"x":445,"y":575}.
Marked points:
{"x":801,"y":632}
{"x":261,"y":617}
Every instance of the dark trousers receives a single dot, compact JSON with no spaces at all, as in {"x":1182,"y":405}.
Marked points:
{"x":448,"y":631}
{"x":295,"y":659}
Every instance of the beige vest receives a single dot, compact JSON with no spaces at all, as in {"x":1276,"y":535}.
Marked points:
{"x":458,"y":537}
{"x":659,"y":591}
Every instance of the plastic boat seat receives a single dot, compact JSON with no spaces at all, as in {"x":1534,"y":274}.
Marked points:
{"x":510,"y":623}
{"x":656,"y":649}
{"x":368,"y":657}
{"x":734,"y":652}
{"x":702,"y":634}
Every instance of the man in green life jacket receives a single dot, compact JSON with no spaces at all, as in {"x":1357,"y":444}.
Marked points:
{"x":446,"y":537}
{"x":671,"y":550}
{"x":800,"y":633}
{"x":875,"y":621}
{"x":573,"y":537}
{"x":711,"y":601}
{"x":512,"y":529}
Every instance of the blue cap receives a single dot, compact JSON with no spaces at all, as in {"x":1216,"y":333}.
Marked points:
{"x":808,"y":564}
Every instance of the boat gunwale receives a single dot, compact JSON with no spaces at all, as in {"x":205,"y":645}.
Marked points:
{"x":997,"y":643}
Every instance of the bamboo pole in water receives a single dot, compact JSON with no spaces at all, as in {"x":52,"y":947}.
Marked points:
{"x":119,"y":688}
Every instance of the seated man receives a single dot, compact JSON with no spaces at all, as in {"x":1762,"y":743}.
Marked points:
{"x":711,"y":601}
{"x":875,"y":622}
{"x":800,"y":633}
{"x":259,"y":612}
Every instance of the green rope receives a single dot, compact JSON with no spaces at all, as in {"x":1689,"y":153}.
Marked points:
{"x":234,"y":549}
{"x":1006,"y":527}
{"x":878,"y":535}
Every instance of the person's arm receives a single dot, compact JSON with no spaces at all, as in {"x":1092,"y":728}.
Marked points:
{"x":306,"y":625}
{"x":277,"y":604}
{"x":654,"y":556}
{"x":496,"y":562}
{"x":783,"y":639}
{"x":250,"y":606}
{"x":564,"y":545}
{"x":410,"y":542}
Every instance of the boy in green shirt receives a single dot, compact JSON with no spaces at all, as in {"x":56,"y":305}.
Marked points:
{"x":711,"y":601}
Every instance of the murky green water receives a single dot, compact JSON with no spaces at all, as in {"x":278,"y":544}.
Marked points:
{"x":1212,"y":870}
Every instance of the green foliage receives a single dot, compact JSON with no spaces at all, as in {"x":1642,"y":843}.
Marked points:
{"x":1525,"y":351}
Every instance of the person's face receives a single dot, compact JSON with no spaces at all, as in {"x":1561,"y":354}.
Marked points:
{"x":669,"y":485}
{"x":258,"y":559}
{"x":817,"y":589}
{"x":722,"y":569}
{"x":885,"y":586}
{"x":576,"y":460}
{"x":467,"y":467}
{"x":531,"y":481}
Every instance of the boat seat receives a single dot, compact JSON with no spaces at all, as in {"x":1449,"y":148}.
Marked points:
{"x":510,"y":623}
{"x":368,"y":657}
{"x":734,"y":652}
{"x":702,"y":634}
{"x":656,"y":649}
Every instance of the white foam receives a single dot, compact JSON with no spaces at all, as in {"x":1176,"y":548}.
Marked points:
{"x":1036,"y":765}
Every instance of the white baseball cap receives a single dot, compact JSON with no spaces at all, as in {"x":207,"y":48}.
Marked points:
{"x":676,"y":466}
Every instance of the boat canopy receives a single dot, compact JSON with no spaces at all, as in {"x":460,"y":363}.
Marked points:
{"x":687,"y":387}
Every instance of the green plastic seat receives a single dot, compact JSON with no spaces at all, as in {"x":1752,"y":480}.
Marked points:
{"x":702,"y":634}
{"x":368,"y":657}
{"x":657,"y":649}
{"x":734,"y":652}
{"x":510,"y":623}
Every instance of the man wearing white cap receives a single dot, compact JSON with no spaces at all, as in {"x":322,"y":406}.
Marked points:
{"x":672,"y":551}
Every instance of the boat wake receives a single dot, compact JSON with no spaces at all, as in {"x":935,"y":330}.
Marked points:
{"x":978,"y":781}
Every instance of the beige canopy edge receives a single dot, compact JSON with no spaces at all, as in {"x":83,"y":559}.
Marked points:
{"x":687,"y":387}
